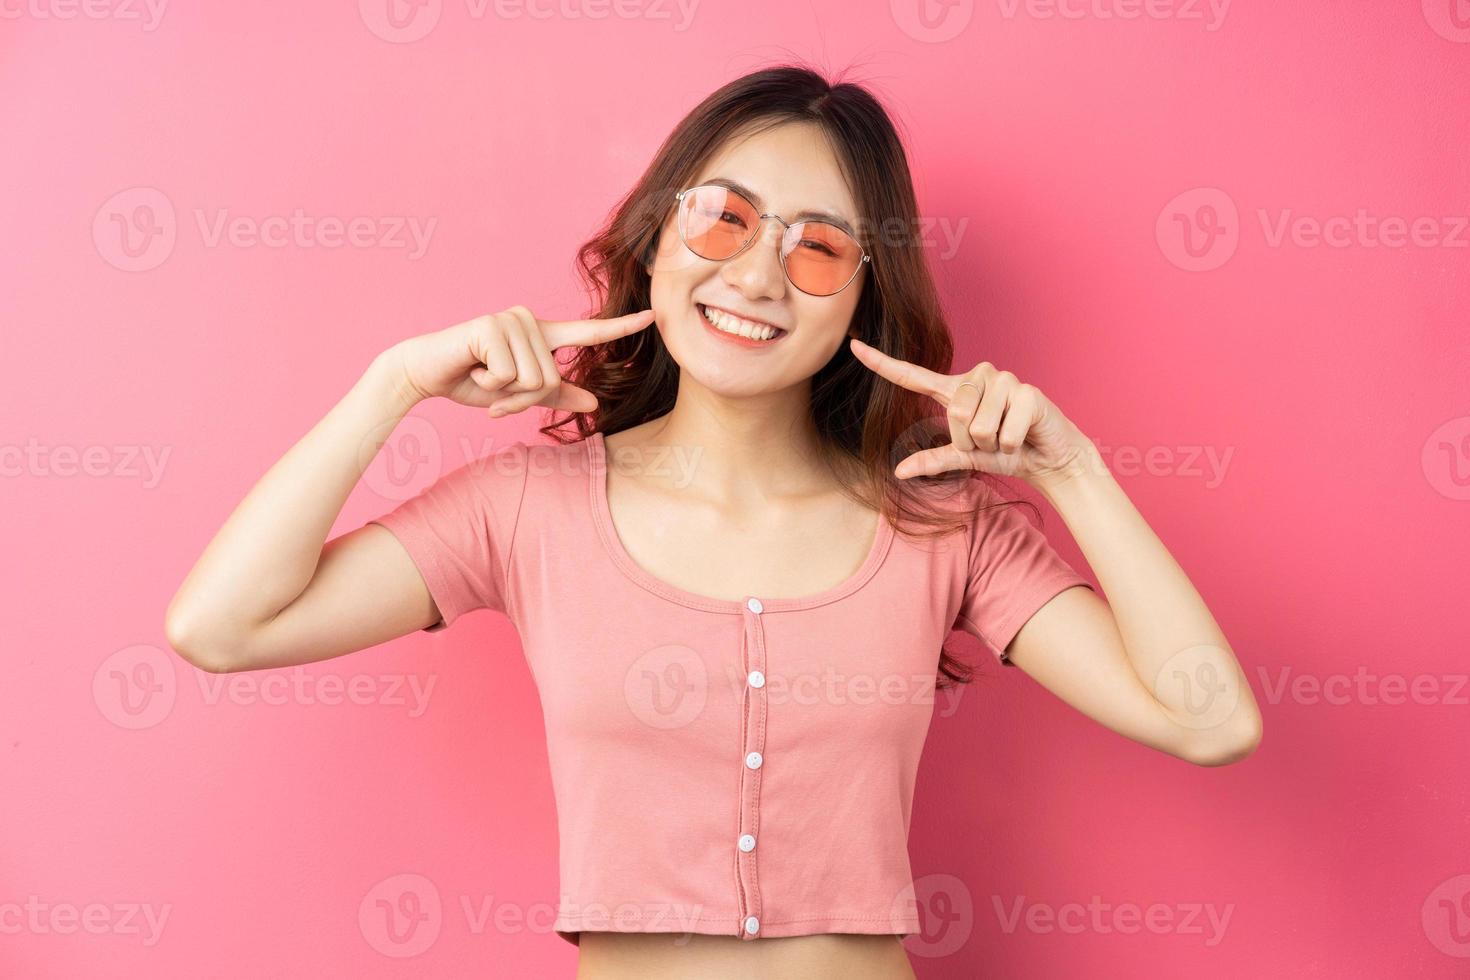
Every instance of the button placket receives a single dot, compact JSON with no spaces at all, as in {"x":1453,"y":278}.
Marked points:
{"x":754,"y":725}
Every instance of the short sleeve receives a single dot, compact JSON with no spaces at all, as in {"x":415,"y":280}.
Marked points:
{"x":460,"y":532}
{"x":1013,"y":572}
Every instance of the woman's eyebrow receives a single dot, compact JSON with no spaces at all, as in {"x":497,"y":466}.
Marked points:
{"x":807,"y":215}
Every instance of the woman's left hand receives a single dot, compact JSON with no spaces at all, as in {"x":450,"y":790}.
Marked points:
{"x":996,"y":423}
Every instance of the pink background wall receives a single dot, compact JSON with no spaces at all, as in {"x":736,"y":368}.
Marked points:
{"x":1289,"y":411}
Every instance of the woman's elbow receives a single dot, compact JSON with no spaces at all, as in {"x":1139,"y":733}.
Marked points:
{"x":196,"y":646}
{"x":1223,"y":747}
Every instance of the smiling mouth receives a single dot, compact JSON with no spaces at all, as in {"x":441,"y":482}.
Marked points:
{"x":737,"y":326}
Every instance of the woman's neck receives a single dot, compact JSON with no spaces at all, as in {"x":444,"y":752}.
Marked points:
{"x":738,"y":450}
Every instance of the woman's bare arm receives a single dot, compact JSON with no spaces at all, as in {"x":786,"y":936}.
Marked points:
{"x":270,"y":590}
{"x":245,"y":604}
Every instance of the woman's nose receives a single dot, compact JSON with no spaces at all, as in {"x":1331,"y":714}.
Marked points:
{"x":757,"y":271}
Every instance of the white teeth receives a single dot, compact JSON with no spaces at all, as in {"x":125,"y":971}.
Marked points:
{"x":735,"y":325}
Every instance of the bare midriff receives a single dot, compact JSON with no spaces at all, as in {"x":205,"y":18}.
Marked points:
{"x":667,"y":956}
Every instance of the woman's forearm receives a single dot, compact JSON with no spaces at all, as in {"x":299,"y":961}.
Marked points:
{"x":265,"y":554}
{"x":1172,"y":640}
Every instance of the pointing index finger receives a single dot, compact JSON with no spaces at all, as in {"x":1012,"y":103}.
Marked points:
{"x":903,"y":373}
{"x":597,"y":330}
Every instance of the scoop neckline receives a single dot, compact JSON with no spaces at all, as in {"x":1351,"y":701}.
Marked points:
{"x":597,"y":454}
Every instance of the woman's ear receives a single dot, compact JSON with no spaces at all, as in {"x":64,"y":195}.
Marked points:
{"x":646,"y":258}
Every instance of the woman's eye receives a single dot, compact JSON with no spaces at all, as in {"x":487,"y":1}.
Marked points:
{"x":819,"y":247}
{"x":735,"y":218}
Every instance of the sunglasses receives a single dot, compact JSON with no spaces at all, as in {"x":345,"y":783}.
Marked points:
{"x":818,"y":257}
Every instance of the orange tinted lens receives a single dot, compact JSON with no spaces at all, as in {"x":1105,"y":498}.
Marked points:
{"x":716,"y":222}
{"x":820,"y":258}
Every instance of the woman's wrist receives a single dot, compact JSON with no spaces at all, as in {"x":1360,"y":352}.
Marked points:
{"x":386,"y":375}
{"x":1085,"y":469}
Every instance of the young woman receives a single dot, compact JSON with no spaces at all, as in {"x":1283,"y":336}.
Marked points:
{"x":734,"y":581}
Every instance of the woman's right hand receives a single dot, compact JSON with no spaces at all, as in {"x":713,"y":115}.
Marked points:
{"x":503,"y":361}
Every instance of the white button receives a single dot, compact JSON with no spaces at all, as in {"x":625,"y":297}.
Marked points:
{"x":754,"y":604}
{"x":747,"y":842}
{"x":753,"y":760}
{"x":752,"y":924}
{"x":757,"y":679}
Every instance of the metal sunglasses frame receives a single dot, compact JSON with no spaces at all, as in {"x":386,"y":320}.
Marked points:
{"x":755,"y":233}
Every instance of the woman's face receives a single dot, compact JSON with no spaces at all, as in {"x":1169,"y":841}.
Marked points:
{"x":788,"y":168}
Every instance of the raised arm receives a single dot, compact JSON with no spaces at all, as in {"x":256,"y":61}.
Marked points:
{"x":1150,"y":662}
{"x":270,"y":591}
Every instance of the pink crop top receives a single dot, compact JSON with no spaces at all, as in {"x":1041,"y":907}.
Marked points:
{"x":731,"y":767}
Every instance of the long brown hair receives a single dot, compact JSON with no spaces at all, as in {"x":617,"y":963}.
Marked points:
{"x":857,"y":414}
